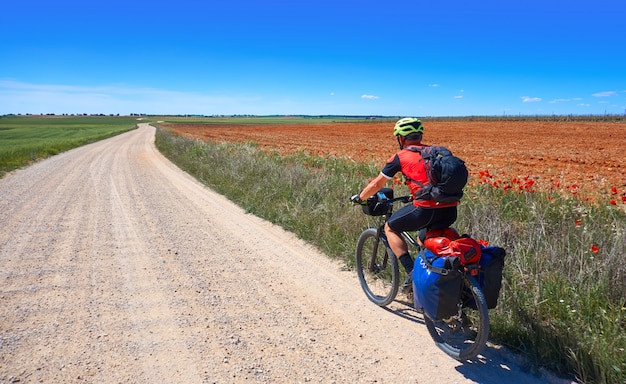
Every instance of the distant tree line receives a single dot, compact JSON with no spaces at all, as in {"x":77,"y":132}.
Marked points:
{"x":590,"y":118}
{"x":561,"y":118}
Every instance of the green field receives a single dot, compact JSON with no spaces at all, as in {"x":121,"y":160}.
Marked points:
{"x":26,"y":139}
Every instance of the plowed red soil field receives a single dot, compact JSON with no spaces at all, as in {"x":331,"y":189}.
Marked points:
{"x":586,"y":155}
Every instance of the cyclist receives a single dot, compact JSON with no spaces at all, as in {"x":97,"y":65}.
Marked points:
{"x":422,"y":213}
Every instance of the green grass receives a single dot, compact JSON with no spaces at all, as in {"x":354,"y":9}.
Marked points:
{"x":564,"y":296}
{"x":25,"y":139}
{"x":564,"y":305}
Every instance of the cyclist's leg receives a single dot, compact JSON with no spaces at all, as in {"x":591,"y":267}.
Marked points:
{"x":411,"y":218}
{"x":407,"y":218}
{"x":400,"y":248}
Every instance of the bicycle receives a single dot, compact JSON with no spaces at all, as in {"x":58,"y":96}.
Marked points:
{"x":462,"y":335}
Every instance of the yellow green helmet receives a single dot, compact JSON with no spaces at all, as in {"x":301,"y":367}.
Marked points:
{"x":407,"y":126}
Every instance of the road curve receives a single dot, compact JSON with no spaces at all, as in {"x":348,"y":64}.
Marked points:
{"x":116,"y":266}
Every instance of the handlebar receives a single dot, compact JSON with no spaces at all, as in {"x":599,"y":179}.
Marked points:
{"x":384,"y":199}
{"x":381,"y":205}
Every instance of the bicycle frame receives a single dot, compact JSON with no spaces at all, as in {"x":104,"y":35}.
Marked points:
{"x":405,"y":235}
{"x":411,"y":241}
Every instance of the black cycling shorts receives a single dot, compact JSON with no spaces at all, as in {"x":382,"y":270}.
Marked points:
{"x":411,"y":218}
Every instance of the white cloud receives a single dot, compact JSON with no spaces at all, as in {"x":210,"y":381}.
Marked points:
{"x":20,"y":97}
{"x":433,"y":85}
{"x":527,"y":99}
{"x":584,"y":105}
{"x":370,"y":97}
{"x":604,"y":94}
{"x":458,"y":97}
{"x":564,"y":100}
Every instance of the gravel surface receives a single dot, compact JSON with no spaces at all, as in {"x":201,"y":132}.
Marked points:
{"x":116,"y":266}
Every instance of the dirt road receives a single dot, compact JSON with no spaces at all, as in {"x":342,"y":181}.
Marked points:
{"x":117,"y":267}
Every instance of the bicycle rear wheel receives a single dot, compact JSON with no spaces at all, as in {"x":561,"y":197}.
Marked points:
{"x":463,"y":336}
{"x":378,"y":270}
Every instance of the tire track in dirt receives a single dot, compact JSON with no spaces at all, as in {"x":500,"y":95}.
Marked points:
{"x":118,"y":267}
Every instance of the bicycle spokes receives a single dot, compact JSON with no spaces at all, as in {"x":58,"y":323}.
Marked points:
{"x":463,"y":335}
{"x":378,"y":272}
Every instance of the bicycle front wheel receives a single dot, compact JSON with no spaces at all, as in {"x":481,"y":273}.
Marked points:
{"x":378,"y":270}
{"x":463,"y":336}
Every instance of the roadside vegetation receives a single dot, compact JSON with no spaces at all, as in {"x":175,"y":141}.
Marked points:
{"x":26,"y":139}
{"x":563,"y":303}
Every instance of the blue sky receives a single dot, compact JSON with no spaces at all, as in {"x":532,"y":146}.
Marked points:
{"x":393,"y":57}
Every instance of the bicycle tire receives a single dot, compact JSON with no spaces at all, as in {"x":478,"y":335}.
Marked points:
{"x":463,"y":336}
{"x":378,"y":270}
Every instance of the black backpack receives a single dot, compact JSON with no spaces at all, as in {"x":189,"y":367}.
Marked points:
{"x":447,"y":175}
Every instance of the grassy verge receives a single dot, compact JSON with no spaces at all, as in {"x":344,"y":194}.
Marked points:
{"x":564,"y":297}
{"x":25,"y":139}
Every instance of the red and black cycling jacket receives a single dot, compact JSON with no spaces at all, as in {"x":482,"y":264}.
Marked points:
{"x":411,"y":165}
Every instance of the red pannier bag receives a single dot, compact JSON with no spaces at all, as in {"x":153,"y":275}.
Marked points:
{"x":464,"y":247}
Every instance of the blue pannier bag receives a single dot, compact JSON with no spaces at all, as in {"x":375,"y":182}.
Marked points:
{"x":489,"y":277}
{"x":491,"y":266}
{"x":436,"y":285}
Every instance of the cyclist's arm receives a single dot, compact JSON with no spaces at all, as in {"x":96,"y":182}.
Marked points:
{"x":391,"y":168}
{"x":374,"y":186}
